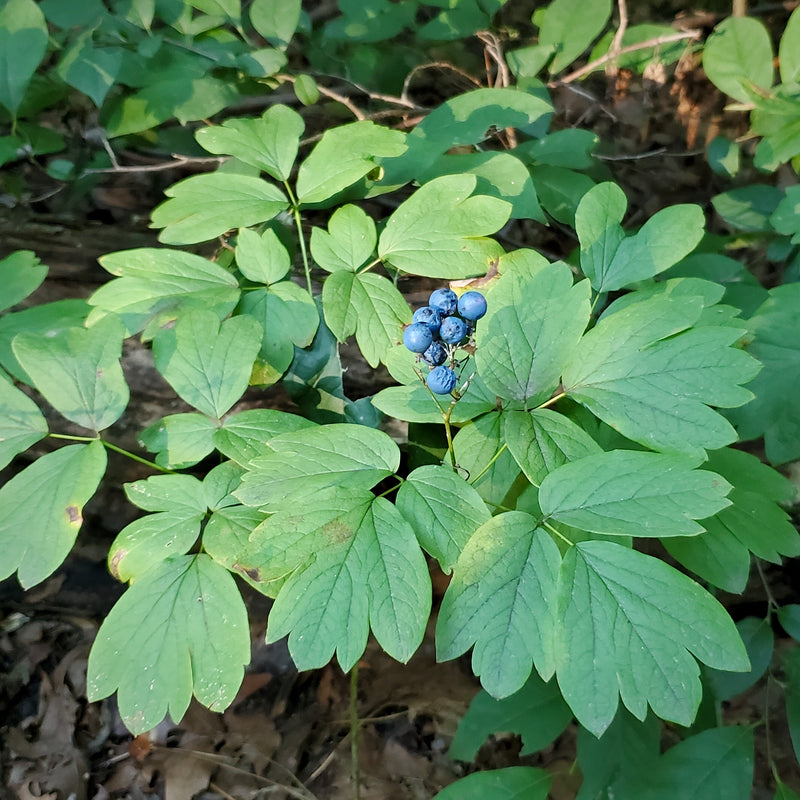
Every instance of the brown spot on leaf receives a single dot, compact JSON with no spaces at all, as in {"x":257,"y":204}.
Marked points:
{"x":113,"y":565}
{"x":74,"y":515}
{"x":251,"y":572}
{"x":336,"y":531}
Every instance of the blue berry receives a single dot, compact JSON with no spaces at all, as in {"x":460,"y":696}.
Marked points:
{"x":472,"y":305}
{"x":417,"y":337}
{"x":435,"y":355}
{"x":444,"y":301}
{"x":441,"y":380}
{"x":428,"y":316}
{"x":453,"y":330}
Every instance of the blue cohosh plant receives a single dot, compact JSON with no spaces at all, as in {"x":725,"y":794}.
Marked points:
{"x":596,"y":405}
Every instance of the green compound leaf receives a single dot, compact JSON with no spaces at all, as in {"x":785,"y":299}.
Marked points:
{"x":531,"y":329}
{"x":269,"y":142}
{"x":159,"y":281}
{"x":638,"y":58}
{"x":480,"y":456}
{"x":785,"y":217}
{"x":626,"y":492}
{"x":754,"y":522}
{"x":91,"y":70}
{"x":789,"y":50}
{"x":21,"y":422}
{"x":231,"y":9}
{"x":78,"y":372}
{"x":716,"y":764}
{"x":219,"y":483}
{"x":527,"y":62}
{"x":626,"y":750}
{"x":47,"y":319}
{"x":21,"y":274}
{"x":291,"y":537}
{"x":509,"y":783}
{"x":180,"y":507}
{"x":542,"y":440}
{"x":537,"y":712}
{"x":87,"y":14}
{"x":500,"y":175}
{"x":502,"y":600}
{"x":789,"y":617}
{"x":737,"y":56}
{"x":368,"y":305}
{"x":791,"y":668}
{"x":205,"y":206}
{"x":261,"y":259}
{"x":180,"y":630}
{"x":275,"y":20}
{"x":206,"y":362}
{"x":288,"y":317}
{"x":40,"y":510}
{"x":376,"y":22}
{"x":610,"y":260}
{"x":749,"y":208}
{"x":306,"y":89}
{"x":439,"y":232}
{"x":459,"y":20}
{"x":343,"y":156}
{"x":629,"y":625}
{"x":560,"y":190}
{"x":348,"y":242}
{"x":443,"y":509}
{"x":759,"y":641}
{"x":784,"y":792}
{"x":467,"y":119}
{"x":775,"y":412}
{"x":571,"y":147}
{"x":650,"y":376}
{"x":226,"y":537}
{"x":149,"y":540}
{"x":413,"y":403}
{"x":358,"y":567}
{"x":167,"y":493}
{"x":301,"y":463}
{"x":247,"y":434}
{"x":180,"y":440}
{"x":175,"y":83}
{"x":23,"y":43}
{"x":570,"y":29}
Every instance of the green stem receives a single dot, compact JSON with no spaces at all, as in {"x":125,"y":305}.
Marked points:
{"x":445,"y":419}
{"x":558,"y":533}
{"x":494,"y":458}
{"x":391,"y":489}
{"x":449,"y":433}
{"x":299,"y":224}
{"x":369,"y":266}
{"x":772,"y":603}
{"x":554,"y":399}
{"x":354,"y":771}
{"x":139,"y":459}
{"x":70,"y":438}
{"x":115,"y":448}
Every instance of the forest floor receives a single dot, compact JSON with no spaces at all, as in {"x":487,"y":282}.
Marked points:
{"x":287,"y":733}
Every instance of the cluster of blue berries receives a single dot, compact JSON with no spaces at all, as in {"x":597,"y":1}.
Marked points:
{"x":437,"y":329}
